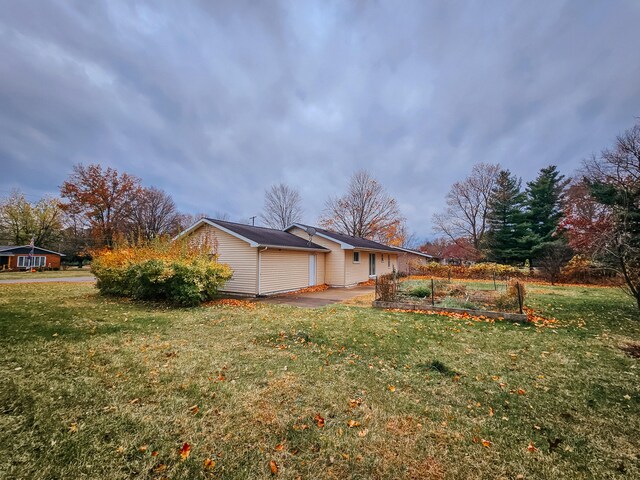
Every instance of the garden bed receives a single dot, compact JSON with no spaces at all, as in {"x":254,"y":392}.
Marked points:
{"x":499,"y":301}
{"x":401,"y":305}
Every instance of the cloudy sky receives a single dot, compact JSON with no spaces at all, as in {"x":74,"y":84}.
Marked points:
{"x":215,"y":101}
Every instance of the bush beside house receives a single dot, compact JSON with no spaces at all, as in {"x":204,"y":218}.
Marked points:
{"x":175,"y":272}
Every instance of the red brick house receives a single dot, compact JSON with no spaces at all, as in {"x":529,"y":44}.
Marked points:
{"x":17,"y":258}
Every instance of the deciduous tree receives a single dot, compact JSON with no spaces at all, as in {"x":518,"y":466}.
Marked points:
{"x":366,"y":211}
{"x":153,"y":214}
{"x":467,"y":207}
{"x":282,"y":206}
{"x":104,"y":198}
{"x":21,"y":220}
{"x":613,"y":179}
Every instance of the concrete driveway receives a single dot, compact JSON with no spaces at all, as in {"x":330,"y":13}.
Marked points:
{"x":318,"y":299}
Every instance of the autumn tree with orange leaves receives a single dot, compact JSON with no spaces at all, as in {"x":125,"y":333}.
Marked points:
{"x":365,"y":211}
{"x":103,"y":199}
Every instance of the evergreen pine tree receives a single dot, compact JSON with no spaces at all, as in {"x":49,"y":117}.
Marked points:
{"x":544,"y":198}
{"x":508,"y":236}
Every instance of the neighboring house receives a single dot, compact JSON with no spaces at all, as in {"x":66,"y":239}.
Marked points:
{"x":266,"y":261}
{"x":409,"y":260}
{"x":17,"y":258}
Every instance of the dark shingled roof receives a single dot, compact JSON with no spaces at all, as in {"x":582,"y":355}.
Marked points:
{"x":268,"y":236}
{"x":26,"y":249}
{"x":356,"y":242}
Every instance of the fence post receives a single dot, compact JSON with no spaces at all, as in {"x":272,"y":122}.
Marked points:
{"x":375,"y":292}
{"x":519,"y":296}
{"x":433,"y":293}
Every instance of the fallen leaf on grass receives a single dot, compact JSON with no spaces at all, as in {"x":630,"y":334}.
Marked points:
{"x":486,"y":443}
{"x":319,"y":420}
{"x":279,"y":447}
{"x":521,"y":391}
{"x":120,"y":449}
{"x":208,"y":463}
{"x":154,"y":453}
{"x":143,"y":448}
{"x":491,"y":412}
{"x":391,"y":388}
{"x":273,"y":466}
{"x":355,"y":402}
{"x":185,"y":451}
{"x":531,"y":447}
{"x":194,"y":409}
{"x":353,"y":423}
{"x":363,"y":432}
{"x":160,"y":468}
{"x":73,"y":428}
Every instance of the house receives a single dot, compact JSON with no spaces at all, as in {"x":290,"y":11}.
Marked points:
{"x":18,"y":258}
{"x":350,"y":260}
{"x":409,"y":260}
{"x":267,"y":261}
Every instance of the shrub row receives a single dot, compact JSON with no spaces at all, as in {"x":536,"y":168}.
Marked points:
{"x":161,"y":270}
{"x":477,"y":271}
{"x":578,"y":270}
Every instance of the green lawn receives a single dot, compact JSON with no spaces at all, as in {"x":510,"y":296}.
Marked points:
{"x":94,"y":387}
{"x":71,"y":272}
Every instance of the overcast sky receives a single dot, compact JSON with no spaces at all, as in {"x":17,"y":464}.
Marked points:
{"x":215,"y":101}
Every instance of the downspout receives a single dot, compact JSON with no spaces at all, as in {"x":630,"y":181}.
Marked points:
{"x":260,"y":266}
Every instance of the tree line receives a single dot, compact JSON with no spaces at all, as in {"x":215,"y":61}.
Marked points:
{"x":595,"y":215}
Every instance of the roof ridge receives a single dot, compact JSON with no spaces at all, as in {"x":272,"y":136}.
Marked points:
{"x":247,"y":225}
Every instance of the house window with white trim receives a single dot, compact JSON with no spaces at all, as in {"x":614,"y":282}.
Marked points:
{"x":356,"y":257}
{"x":36,"y":261}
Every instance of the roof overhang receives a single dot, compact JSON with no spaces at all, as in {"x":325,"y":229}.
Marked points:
{"x":7,"y":251}
{"x":206,"y":221}
{"x":302,"y":249}
{"x":251,"y":243}
{"x":414,"y":252}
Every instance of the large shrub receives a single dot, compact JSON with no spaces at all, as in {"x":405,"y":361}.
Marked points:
{"x":478,"y":271}
{"x":161,"y":270}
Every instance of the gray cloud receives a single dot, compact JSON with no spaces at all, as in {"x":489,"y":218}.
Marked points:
{"x":214,"y":101}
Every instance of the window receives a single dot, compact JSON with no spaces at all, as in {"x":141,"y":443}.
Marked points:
{"x":356,"y":257}
{"x":36,"y":261}
{"x":382,"y":257}
{"x":388,"y":260}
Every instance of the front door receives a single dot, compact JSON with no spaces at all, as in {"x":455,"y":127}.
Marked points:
{"x":372,"y":264}
{"x":312,"y":270}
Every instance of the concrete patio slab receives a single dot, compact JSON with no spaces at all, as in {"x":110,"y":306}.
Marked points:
{"x":317,"y":299}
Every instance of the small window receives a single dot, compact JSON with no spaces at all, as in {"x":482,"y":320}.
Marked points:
{"x":382,"y":257}
{"x":388,"y":260}
{"x":356,"y":257}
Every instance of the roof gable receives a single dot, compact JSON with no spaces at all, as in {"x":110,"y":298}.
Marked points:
{"x":259,"y":236}
{"x":25,"y":249}
{"x":347,"y":242}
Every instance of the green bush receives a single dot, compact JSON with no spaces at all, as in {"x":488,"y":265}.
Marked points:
{"x":180,"y":275}
{"x":420,"y":291}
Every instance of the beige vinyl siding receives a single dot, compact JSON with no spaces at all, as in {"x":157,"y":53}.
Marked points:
{"x":238,"y":254}
{"x":359,"y":272}
{"x":320,"y":261}
{"x":334,"y":266}
{"x":283,"y":270}
{"x":356,"y":272}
